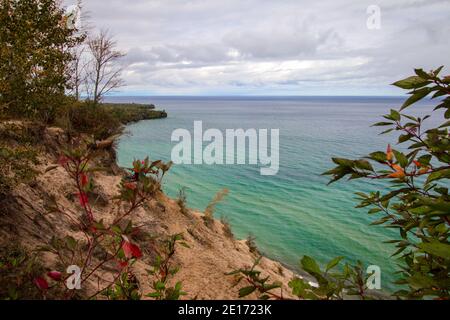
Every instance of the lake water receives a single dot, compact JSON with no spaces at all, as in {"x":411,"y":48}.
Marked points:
{"x":293,"y":213}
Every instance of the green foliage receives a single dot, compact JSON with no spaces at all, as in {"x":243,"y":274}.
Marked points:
{"x":15,"y":166}
{"x":131,"y":112}
{"x":417,"y":205}
{"x":163,"y":271}
{"x":103,"y":120}
{"x":125,"y":288}
{"x":331,"y":284}
{"x":18,"y":153}
{"x":81,"y":117}
{"x":418,"y":202}
{"x":328,"y":284}
{"x":34,"y":56}
{"x":17,"y":270}
{"x":256,"y":283}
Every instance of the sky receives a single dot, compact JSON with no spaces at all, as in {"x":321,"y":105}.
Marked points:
{"x":273,"y":47}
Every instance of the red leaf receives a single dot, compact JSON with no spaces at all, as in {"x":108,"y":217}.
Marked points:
{"x":41,"y":283}
{"x":84,"y":180}
{"x":83,"y":199}
{"x":130,"y":186}
{"x":55,"y":275}
{"x":63,"y":160}
{"x":399,"y":172}
{"x":389,"y":154}
{"x":131,"y":251}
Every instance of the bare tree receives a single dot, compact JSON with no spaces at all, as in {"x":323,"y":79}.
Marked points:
{"x":104,"y":72}
{"x":78,"y":70}
{"x":79,"y":18}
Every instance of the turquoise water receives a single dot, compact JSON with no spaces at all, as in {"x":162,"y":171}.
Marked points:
{"x":293,"y":213}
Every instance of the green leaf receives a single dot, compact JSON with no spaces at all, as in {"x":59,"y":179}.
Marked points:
{"x":445,"y":125}
{"x":382,"y":124}
{"x":160,"y":285}
{"x":246,"y":291}
{"x":298,"y":287}
{"x":436,"y":248}
{"x":310,"y":265}
{"x":116,"y":229}
{"x":333,"y":263}
{"x":438,"y":175}
{"x":395,"y":115}
{"x":422,"y":74}
{"x":378,"y":156}
{"x":363,"y":165}
{"x":401,"y":158}
{"x":411,"y":83}
{"x":447,"y":114}
{"x":417,"y":96}
{"x":439,"y":93}
{"x":71,"y":243}
{"x":375,"y":210}
{"x":387,"y":131}
{"x":438,"y":70}
{"x":419,"y":281}
{"x":154,"y":295}
{"x":403,"y":138}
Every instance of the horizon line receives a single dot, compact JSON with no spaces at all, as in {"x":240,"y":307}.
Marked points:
{"x":253,"y":96}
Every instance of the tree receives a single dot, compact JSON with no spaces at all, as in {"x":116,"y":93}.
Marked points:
{"x":103,"y":75}
{"x":81,"y":20}
{"x":35,"y":43}
{"x":78,"y":69}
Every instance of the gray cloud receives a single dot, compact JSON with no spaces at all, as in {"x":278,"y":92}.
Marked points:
{"x":273,"y":47}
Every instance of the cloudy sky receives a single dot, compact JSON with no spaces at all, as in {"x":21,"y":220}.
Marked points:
{"x":273,"y":47}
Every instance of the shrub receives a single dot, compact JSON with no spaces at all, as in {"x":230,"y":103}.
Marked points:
{"x":163,"y":270}
{"x":18,"y":269}
{"x":82,"y":117}
{"x":18,"y":154}
{"x":251,"y":243}
{"x":227,"y":227}
{"x":102,"y":120}
{"x":115,"y":239}
{"x":182,"y":201}
{"x":256,"y":283}
{"x":209,"y":211}
{"x":417,"y":205}
{"x":132,"y":112}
